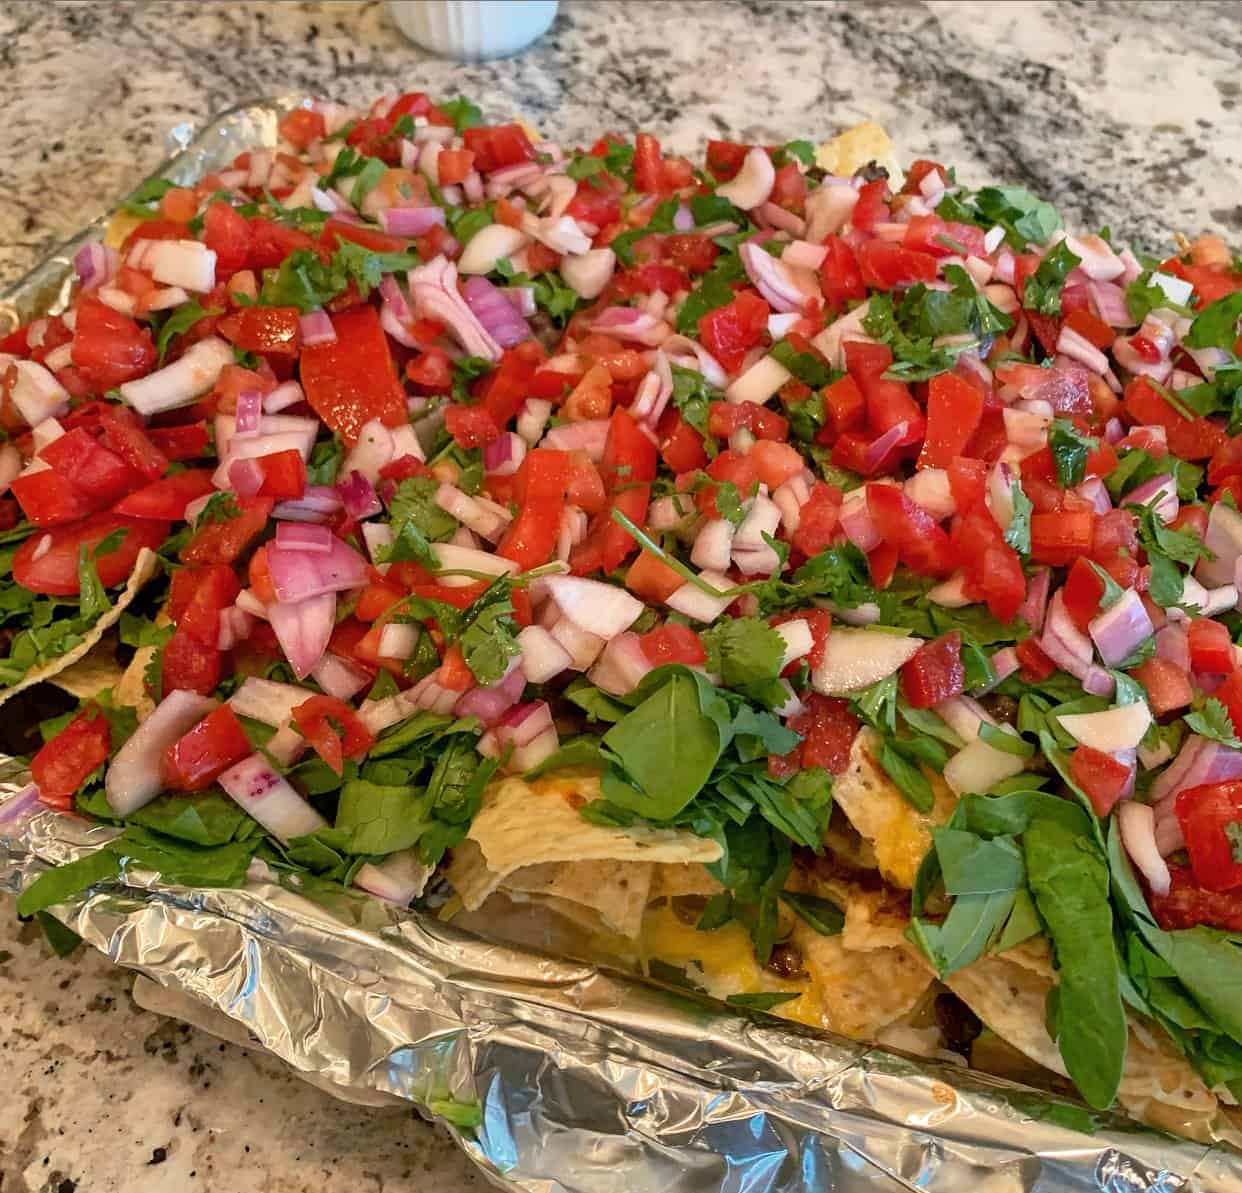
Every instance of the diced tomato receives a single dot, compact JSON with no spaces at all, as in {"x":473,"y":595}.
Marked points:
{"x":725,"y":158}
{"x":730,"y":331}
{"x":930,"y":234}
{"x":888,"y":402}
{"x":454,"y":673}
{"x":109,"y":348}
{"x":921,"y":544}
{"x":1188,"y":905}
{"x":335,"y":231}
{"x":264,"y":329}
{"x":333,"y":728}
{"x":167,"y":498}
{"x":840,"y":276}
{"x":53,"y":568}
{"x":1092,"y":329}
{"x":919,"y":169}
{"x":431,"y":370}
{"x":935,"y":673}
{"x":1036,"y":665}
{"x":692,"y":252}
{"x":470,"y":426}
{"x":648,"y":177}
{"x":49,"y":499}
{"x":597,"y":204}
{"x":629,"y":455}
{"x":497,"y":146}
{"x":197,"y":597}
{"x":1059,"y":538}
{"x":415,"y":103}
{"x":827,"y":728}
{"x":376,"y":599}
{"x":353,"y":380}
{"x":284,"y":475}
{"x":723,"y":418}
{"x":845,"y":404}
{"x":672,"y":643}
{"x":1230,"y":695}
{"x":967,"y":482}
{"x":789,"y":188}
{"x":506,"y":387}
{"x":99,"y":475}
{"x":1100,"y":776}
{"x":228,"y":235}
{"x":818,"y":519}
{"x":872,"y":206}
{"x":189,"y":665}
{"x":954,"y":409}
{"x":302,"y":126}
{"x":1207,"y":816}
{"x":271,"y":243}
{"x":775,"y":462}
{"x":681,"y":447}
{"x":652,"y":579}
{"x":607,"y":544}
{"x":1167,"y":685}
{"x":223,"y":540}
{"x":186,"y":442}
{"x":531,"y":537}
{"x":453,"y":165}
{"x":1082,"y":592}
{"x":1211,"y":648}
{"x":1192,"y":439}
{"x":196,"y":760}
{"x":885,"y":265}
{"x":64,"y":763}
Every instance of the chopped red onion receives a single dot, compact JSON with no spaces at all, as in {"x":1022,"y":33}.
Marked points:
{"x":628,"y":323}
{"x":1078,"y":348}
{"x":524,"y":722}
{"x":752,"y":184}
{"x":804,"y":255}
{"x":300,"y":574}
{"x":1036,"y":602}
{"x":1121,"y":628}
{"x":775,"y":216}
{"x":246,"y":477}
{"x":495,"y":312}
{"x":270,"y":799}
{"x":1200,"y":761}
{"x":879,"y":447}
{"x":20,"y":807}
{"x":774,"y":279}
{"x":856,"y":521}
{"x":523,"y":299}
{"x":303,"y":626}
{"x":1093,"y":490}
{"x":1160,"y":489}
{"x":621,"y":667}
{"x":1005,"y":663}
{"x":317,"y":328}
{"x":249,"y":410}
{"x":491,"y":703}
{"x":133,"y":778}
{"x":588,"y":435}
{"x":433,"y":289}
{"x":683,"y":219}
{"x":358,"y":496}
{"x":180,"y":383}
{"x":399,"y":879}
{"x":502,"y":456}
{"x":542,"y":655}
{"x":588,"y":273}
{"x":302,"y":536}
{"x":289,"y":393}
{"x":828,"y":208}
{"x":1109,"y":302}
{"x":411,"y":221}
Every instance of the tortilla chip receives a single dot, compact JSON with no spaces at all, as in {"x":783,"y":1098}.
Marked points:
{"x":614,"y":892}
{"x":131,"y":690}
{"x":900,"y":834}
{"x":120,"y":225}
{"x":95,"y":672}
{"x":1010,"y":997}
{"x":849,"y":151}
{"x":145,"y":568}
{"x":523,"y":824}
{"x":684,"y":878}
{"x":855,"y":996}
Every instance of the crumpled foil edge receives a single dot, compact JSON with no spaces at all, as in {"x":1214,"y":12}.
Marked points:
{"x":589,"y":1081}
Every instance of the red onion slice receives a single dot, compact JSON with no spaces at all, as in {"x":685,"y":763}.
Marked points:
{"x":298,"y":574}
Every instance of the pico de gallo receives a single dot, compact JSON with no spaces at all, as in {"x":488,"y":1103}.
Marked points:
{"x":468,"y":454}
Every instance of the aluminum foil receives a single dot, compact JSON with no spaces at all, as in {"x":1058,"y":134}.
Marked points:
{"x":590,"y":1081}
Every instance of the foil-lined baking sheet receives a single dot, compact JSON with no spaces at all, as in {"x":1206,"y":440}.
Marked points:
{"x":588,"y":1081}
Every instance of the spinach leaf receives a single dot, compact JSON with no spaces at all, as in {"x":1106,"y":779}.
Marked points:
{"x":764,"y":1001}
{"x":668,"y":746}
{"x":1025,"y":218}
{"x":1216,"y":326}
{"x":973,"y":865}
{"x":1069,"y":881}
{"x":906,"y":776}
{"x":822,"y":914}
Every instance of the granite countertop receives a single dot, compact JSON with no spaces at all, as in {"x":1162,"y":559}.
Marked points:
{"x":1122,"y":113}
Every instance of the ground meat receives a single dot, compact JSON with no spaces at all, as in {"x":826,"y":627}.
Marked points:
{"x":1000,"y":708}
{"x":786,"y":962}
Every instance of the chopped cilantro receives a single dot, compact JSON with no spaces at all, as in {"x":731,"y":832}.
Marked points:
{"x":1043,"y":290}
{"x":1213,"y":721}
{"x":1070,"y":449}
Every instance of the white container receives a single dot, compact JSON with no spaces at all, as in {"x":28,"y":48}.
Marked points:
{"x":473,"y":30}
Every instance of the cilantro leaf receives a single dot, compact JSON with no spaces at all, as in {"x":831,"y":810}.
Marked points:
{"x":149,"y":192}
{"x":692,"y":395}
{"x":1213,"y":721}
{"x":417,"y":522}
{"x":220,"y":507}
{"x":808,"y":367}
{"x":1177,"y":545}
{"x":1018,"y":532}
{"x":181,"y":320}
{"x":306,"y":282}
{"x":746,"y":653}
{"x":462,"y":113}
{"x":488,"y":640}
{"x":1070,"y":449}
{"x":1216,"y":326}
{"x":1025,"y":218}
{"x":1043,"y":290}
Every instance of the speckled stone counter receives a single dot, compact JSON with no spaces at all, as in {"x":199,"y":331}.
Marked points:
{"x":1121,"y":113}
